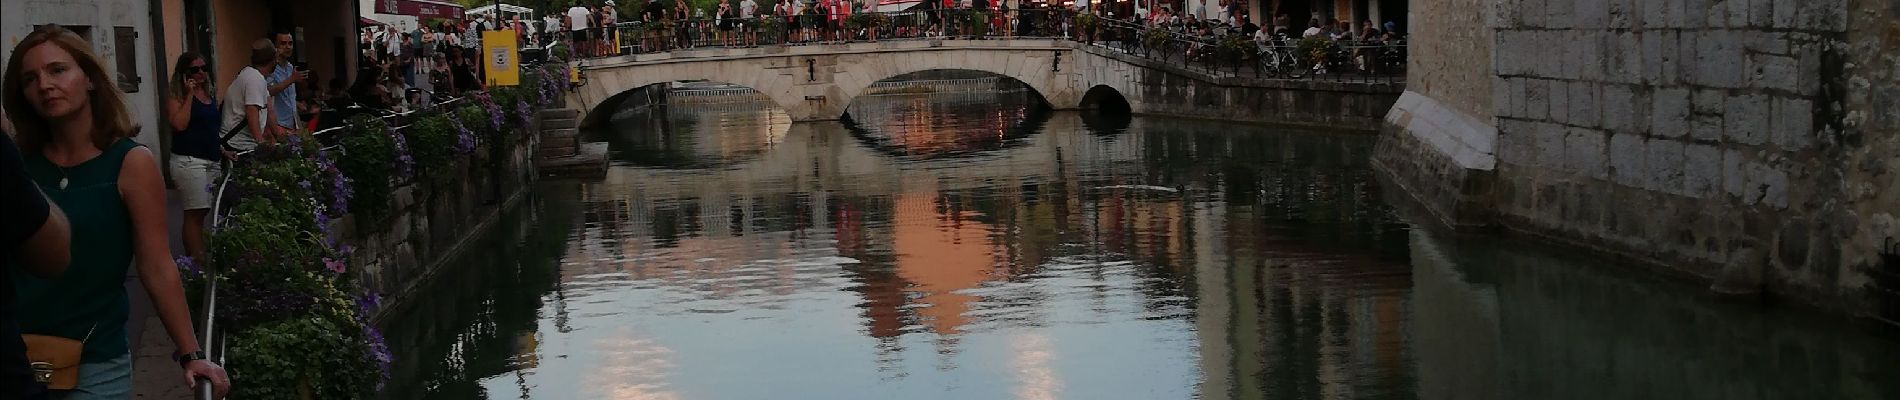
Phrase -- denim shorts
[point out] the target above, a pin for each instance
(104, 380)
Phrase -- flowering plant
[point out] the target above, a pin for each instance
(369, 154)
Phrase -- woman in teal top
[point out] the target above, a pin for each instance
(75, 135)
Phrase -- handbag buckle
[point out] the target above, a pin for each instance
(42, 371)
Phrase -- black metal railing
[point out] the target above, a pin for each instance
(1228, 52)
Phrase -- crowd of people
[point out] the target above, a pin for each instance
(1373, 48)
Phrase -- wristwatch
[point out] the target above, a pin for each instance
(187, 358)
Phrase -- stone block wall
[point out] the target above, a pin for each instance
(1448, 39)
(1867, 144)
(1692, 134)
(1441, 139)
(430, 221)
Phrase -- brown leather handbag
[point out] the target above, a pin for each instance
(55, 360)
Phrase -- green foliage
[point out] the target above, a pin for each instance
(368, 157)
(1232, 47)
(324, 354)
(285, 293)
(864, 20)
(1315, 48)
(432, 141)
(473, 118)
(266, 237)
(1154, 37)
(1086, 21)
(976, 22)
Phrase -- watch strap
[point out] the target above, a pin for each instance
(189, 357)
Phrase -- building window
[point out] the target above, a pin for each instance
(126, 55)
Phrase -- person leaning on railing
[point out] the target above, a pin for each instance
(76, 138)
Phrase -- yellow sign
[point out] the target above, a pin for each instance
(498, 53)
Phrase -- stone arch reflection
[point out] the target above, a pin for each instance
(984, 122)
(663, 125)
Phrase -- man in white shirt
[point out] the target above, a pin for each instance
(247, 100)
(748, 9)
(578, 18)
(550, 25)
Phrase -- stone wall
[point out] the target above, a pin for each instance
(430, 221)
(1680, 132)
(1449, 38)
(1867, 145)
(1741, 142)
(1443, 142)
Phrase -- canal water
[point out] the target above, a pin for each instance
(976, 246)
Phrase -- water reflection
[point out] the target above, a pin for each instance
(918, 253)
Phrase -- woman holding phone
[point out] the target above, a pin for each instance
(196, 158)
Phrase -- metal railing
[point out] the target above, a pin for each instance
(1223, 51)
(643, 37)
(1235, 54)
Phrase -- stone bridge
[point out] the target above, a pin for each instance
(817, 83)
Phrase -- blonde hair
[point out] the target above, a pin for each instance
(110, 121)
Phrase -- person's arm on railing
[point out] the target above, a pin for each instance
(143, 190)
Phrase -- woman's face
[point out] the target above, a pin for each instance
(198, 70)
(53, 82)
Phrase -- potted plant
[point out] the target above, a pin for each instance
(1087, 24)
(1315, 50)
(1153, 38)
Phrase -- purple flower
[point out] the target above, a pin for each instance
(405, 165)
(185, 263)
(296, 145)
(464, 138)
(378, 351)
(495, 117)
(334, 265)
(526, 112)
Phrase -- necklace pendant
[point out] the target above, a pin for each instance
(62, 183)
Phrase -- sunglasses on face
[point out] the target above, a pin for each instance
(195, 69)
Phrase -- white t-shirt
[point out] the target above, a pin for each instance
(747, 7)
(579, 17)
(248, 89)
(1311, 32)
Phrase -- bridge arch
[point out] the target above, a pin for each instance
(1045, 72)
(816, 83)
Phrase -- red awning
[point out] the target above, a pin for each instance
(420, 8)
(362, 21)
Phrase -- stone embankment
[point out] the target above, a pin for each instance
(1733, 141)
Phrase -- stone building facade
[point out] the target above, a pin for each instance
(1736, 141)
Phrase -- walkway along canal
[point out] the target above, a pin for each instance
(979, 246)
